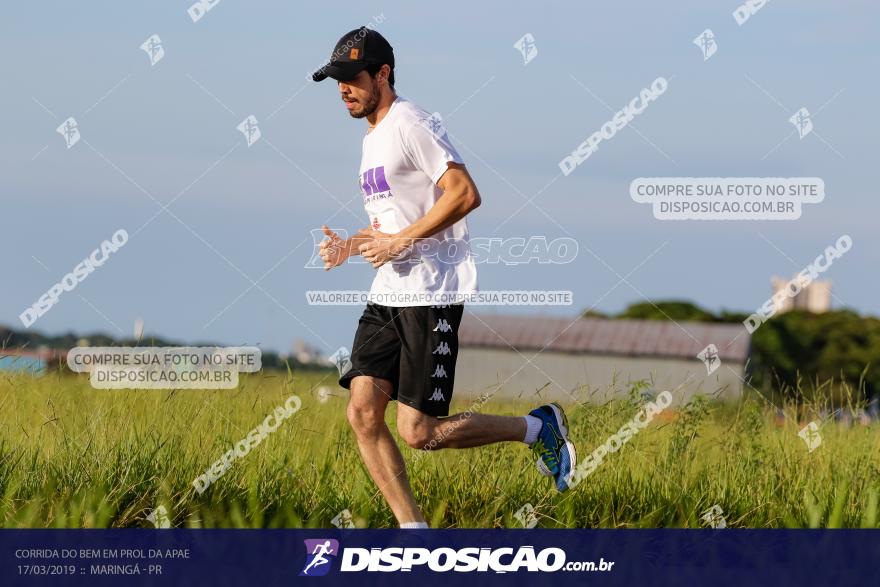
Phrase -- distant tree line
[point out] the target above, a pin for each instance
(795, 350)
(31, 340)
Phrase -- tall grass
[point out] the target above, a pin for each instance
(73, 456)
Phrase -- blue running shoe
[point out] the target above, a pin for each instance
(555, 451)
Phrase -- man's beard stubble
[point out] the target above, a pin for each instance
(370, 105)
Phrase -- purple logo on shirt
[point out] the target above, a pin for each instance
(373, 181)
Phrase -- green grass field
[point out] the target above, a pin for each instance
(73, 456)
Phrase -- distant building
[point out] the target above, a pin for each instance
(544, 358)
(30, 361)
(306, 354)
(814, 297)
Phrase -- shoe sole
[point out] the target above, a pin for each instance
(562, 422)
(572, 455)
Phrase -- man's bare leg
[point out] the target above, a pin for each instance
(464, 430)
(366, 414)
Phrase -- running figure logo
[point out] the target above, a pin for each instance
(802, 122)
(250, 129)
(706, 42)
(342, 359)
(153, 48)
(317, 553)
(526, 45)
(710, 358)
(69, 129)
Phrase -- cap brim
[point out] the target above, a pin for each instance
(340, 71)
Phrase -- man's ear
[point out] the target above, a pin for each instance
(386, 72)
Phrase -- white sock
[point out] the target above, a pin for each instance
(414, 525)
(533, 427)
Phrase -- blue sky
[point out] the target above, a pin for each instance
(169, 131)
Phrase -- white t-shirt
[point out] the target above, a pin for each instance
(404, 157)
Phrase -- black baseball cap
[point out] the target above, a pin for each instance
(355, 51)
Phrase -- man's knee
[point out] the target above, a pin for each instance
(366, 408)
(419, 433)
(365, 418)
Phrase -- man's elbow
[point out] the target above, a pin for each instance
(472, 199)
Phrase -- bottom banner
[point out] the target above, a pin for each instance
(438, 557)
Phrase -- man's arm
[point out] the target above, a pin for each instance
(460, 197)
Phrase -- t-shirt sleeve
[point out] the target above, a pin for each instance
(430, 151)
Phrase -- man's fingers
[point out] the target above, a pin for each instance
(329, 248)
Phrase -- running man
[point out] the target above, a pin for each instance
(417, 193)
(319, 552)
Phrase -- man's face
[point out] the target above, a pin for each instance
(361, 95)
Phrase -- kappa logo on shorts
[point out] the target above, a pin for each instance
(437, 396)
(442, 326)
(442, 349)
(439, 371)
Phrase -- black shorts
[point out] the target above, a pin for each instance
(414, 348)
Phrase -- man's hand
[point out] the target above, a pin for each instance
(382, 247)
(334, 250)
